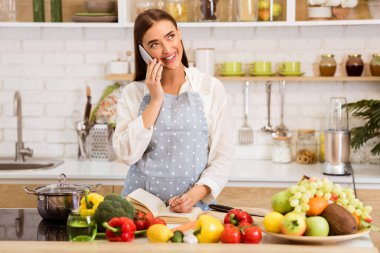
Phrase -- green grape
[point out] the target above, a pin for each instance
(360, 205)
(358, 212)
(293, 189)
(327, 188)
(327, 196)
(351, 197)
(367, 209)
(319, 193)
(354, 202)
(305, 198)
(298, 195)
(298, 209)
(319, 184)
(365, 215)
(350, 208)
(302, 188)
(294, 202)
(305, 207)
(344, 202)
(343, 195)
(313, 185)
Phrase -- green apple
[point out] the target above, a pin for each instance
(264, 4)
(317, 226)
(276, 9)
(293, 224)
(280, 202)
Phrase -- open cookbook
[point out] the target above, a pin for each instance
(146, 202)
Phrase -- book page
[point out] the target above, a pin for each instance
(172, 217)
(150, 201)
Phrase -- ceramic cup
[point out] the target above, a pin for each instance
(231, 67)
(261, 67)
(290, 67)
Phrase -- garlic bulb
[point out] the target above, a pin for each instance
(349, 3)
(333, 3)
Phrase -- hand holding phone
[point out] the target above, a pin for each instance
(144, 54)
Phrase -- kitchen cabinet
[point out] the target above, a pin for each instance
(294, 14)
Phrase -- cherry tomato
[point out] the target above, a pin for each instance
(251, 234)
(230, 234)
(156, 221)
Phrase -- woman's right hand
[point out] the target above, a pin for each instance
(153, 80)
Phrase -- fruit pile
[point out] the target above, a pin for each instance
(317, 207)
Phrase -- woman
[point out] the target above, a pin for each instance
(173, 125)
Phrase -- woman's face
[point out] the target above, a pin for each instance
(163, 42)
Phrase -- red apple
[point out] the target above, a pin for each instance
(293, 224)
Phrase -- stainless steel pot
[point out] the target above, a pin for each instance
(56, 201)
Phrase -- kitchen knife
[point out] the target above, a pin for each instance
(225, 209)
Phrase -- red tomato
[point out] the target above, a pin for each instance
(230, 234)
(156, 221)
(142, 220)
(251, 234)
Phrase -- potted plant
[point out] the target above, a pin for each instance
(369, 111)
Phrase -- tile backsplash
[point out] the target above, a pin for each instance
(52, 66)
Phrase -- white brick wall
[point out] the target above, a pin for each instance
(51, 68)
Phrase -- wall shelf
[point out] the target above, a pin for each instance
(129, 77)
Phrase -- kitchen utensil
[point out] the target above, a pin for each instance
(245, 131)
(81, 131)
(99, 143)
(282, 130)
(337, 139)
(99, 6)
(58, 200)
(268, 87)
(225, 209)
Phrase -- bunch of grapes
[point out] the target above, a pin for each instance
(316, 187)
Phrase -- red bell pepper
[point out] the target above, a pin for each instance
(230, 234)
(251, 234)
(120, 229)
(142, 220)
(236, 216)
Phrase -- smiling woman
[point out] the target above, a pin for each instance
(173, 123)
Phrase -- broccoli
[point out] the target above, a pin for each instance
(113, 206)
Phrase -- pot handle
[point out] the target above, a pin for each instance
(30, 191)
(95, 188)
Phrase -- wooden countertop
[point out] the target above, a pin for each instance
(103, 246)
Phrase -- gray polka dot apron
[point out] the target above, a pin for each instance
(178, 151)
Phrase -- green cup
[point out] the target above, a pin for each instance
(81, 228)
(261, 67)
(231, 67)
(290, 67)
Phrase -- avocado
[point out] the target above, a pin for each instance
(341, 221)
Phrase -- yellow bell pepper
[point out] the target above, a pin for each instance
(89, 203)
(208, 229)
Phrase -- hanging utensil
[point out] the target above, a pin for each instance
(281, 130)
(245, 131)
(268, 128)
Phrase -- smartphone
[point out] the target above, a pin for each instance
(144, 54)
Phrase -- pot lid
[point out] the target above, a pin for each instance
(62, 188)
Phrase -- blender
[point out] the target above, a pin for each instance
(337, 139)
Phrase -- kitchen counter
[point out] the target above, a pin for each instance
(103, 246)
(245, 173)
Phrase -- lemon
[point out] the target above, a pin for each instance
(159, 233)
(272, 222)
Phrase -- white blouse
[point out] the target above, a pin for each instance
(131, 138)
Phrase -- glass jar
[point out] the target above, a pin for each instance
(247, 10)
(226, 11)
(7, 10)
(178, 9)
(327, 65)
(266, 12)
(208, 9)
(374, 65)
(354, 65)
(306, 147)
(143, 5)
(281, 150)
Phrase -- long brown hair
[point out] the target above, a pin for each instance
(143, 23)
